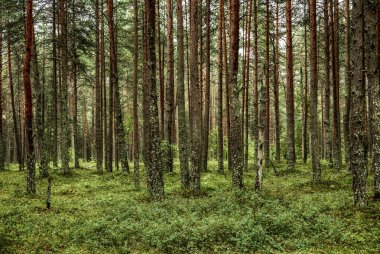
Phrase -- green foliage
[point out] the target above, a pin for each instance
(94, 213)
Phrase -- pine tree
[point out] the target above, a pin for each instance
(99, 97)
(314, 93)
(182, 118)
(291, 156)
(195, 123)
(327, 85)
(64, 114)
(235, 88)
(276, 87)
(155, 172)
(169, 87)
(31, 183)
(136, 139)
(357, 118)
(376, 117)
(336, 137)
(220, 88)
(2, 144)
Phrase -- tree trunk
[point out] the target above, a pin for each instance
(335, 73)
(30, 164)
(65, 131)
(74, 73)
(327, 85)
(247, 85)
(255, 86)
(136, 139)
(357, 118)
(371, 67)
(112, 76)
(228, 110)
(147, 149)
(206, 121)
(346, 116)
(260, 139)
(169, 87)
(98, 88)
(291, 156)
(376, 117)
(121, 145)
(220, 88)
(314, 93)
(103, 82)
(235, 135)
(85, 146)
(277, 88)
(161, 73)
(267, 80)
(155, 172)
(55, 89)
(304, 92)
(2, 147)
(196, 139)
(182, 119)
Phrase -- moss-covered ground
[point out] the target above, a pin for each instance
(94, 213)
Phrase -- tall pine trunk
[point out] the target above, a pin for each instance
(255, 86)
(103, 81)
(277, 88)
(337, 160)
(346, 126)
(65, 131)
(326, 114)
(169, 88)
(98, 94)
(155, 172)
(2, 144)
(291, 156)
(31, 184)
(206, 121)
(376, 117)
(235, 135)
(196, 139)
(227, 93)
(267, 80)
(74, 73)
(161, 72)
(136, 138)
(371, 68)
(183, 140)
(304, 92)
(111, 93)
(357, 117)
(247, 84)
(220, 88)
(55, 88)
(314, 93)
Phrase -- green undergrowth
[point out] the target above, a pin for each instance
(94, 213)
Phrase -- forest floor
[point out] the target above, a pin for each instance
(94, 213)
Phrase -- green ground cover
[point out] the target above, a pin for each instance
(94, 213)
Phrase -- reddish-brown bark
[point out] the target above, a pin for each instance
(31, 185)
